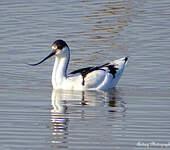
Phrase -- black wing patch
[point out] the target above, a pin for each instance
(87, 70)
(113, 70)
(83, 71)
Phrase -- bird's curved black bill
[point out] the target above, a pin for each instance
(51, 54)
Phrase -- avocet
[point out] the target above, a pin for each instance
(101, 77)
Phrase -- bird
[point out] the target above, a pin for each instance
(101, 77)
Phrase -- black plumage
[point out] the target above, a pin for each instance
(59, 44)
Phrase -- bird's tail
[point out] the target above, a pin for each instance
(119, 62)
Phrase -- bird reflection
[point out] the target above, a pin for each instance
(68, 105)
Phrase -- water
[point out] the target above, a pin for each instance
(135, 115)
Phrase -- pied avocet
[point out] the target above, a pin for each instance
(101, 77)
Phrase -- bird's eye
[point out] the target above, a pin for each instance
(60, 47)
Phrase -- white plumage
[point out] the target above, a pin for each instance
(91, 78)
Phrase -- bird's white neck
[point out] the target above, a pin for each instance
(59, 73)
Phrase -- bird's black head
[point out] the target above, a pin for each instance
(59, 44)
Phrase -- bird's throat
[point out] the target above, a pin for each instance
(60, 70)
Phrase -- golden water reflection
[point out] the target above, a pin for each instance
(109, 18)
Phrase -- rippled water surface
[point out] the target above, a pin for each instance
(135, 115)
